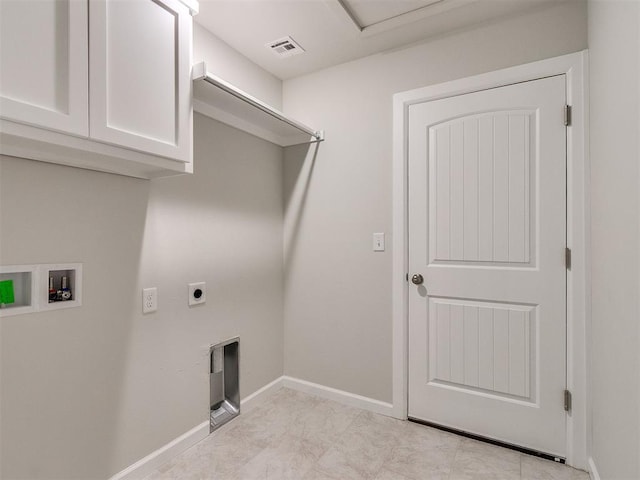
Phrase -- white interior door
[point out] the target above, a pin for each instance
(487, 231)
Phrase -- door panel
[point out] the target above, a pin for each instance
(487, 230)
(43, 64)
(140, 75)
(480, 180)
(124, 62)
(482, 346)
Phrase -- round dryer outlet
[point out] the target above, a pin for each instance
(197, 293)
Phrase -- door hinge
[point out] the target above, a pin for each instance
(567, 401)
(567, 258)
(567, 115)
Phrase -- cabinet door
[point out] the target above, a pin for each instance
(140, 95)
(43, 64)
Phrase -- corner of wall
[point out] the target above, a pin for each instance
(593, 471)
(229, 64)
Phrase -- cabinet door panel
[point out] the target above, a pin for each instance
(140, 75)
(43, 64)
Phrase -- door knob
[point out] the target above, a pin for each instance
(417, 279)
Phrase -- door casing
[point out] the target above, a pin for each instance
(574, 67)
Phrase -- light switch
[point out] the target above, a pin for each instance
(378, 242)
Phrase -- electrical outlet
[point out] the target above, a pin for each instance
(149, 300)
(197, 293)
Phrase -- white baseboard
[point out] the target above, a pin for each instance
(593, 471)
(154, 460)
(346, 398)
(260, 396)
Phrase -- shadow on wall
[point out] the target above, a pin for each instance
(62, 370)
(300, 160)
(222, 226)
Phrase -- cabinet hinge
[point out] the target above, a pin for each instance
(567, 401)
(567, 258)
(567, 115)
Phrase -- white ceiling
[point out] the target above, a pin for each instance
(337, 31)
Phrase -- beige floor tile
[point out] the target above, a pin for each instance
(478, 460)
(361, 450)
(386, 474)
(539, 469)
(291, 458)
(427, 437)
(377, 430)
(415, 462)
(315, 473)
(208, 461)
(325, 421)
(421, 450)
(354, 465)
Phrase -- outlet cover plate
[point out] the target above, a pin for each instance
(194, 299)
(149, 300)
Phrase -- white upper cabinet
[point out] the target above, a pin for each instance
(140, 75)
(43, 59)
(98, 84)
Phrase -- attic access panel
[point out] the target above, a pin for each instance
(222, 101)
(368, 13)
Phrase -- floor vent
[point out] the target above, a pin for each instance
(285, 47)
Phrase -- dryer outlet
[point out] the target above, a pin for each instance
(197, 293)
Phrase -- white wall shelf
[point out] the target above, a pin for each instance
(222, 101)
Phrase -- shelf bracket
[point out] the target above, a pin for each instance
(199, 74)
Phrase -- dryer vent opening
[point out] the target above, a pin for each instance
(224, 382)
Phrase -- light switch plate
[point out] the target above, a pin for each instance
(378, 242)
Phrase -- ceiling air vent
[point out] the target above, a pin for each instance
(285, 47)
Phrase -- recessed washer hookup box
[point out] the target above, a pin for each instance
(224, 382)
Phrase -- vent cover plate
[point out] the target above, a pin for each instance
(285, 47)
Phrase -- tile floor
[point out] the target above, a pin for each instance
(303, 437)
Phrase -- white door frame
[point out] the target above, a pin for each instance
(578, 281)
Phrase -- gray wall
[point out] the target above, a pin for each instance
(226, 63)
(337, 291)
(88, 391)
(614, 52)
